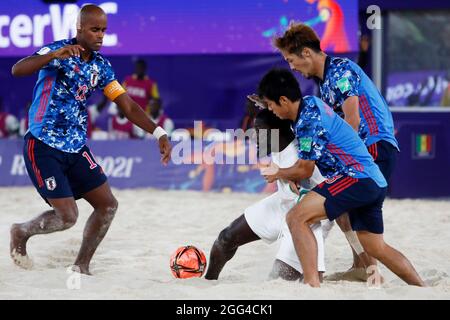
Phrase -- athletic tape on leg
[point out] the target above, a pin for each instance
(352, 238)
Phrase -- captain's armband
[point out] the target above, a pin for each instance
(113, 90)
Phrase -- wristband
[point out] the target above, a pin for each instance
(159, 132)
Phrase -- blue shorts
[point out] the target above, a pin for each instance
(58, 174)
(385, 156)
(361, 198)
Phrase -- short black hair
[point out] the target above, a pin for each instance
(269, 119)
(141, 62)
(277, 83)
(157, 101)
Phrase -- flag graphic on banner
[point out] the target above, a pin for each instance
(424, 145)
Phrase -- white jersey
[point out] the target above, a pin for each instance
(286, 159)
(267, 218)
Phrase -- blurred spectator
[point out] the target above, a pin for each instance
(140, 87)
(363, 57)
(23, 125)
(159, 117)
(121, 128)
(445, 102)
(9, 125)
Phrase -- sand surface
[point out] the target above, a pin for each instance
(133, 260)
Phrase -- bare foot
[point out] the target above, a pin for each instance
(353, 274)
(83, 269)
(18, 247)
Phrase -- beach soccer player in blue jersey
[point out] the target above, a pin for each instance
(266, 219)
(355, 183)
(349, 91)
(59, 163)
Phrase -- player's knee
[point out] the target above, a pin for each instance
(290, 219)
(226, 239)
(113, 205)
(69, 215)
(108, 208)
(374, 249)
(295, 216)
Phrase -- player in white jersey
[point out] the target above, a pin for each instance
(266, 219)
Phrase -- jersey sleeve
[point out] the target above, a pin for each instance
(55, 63)
(108, 82)
(345, 82)
(107, 75)
(311, 135)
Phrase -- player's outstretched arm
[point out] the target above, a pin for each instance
(29, 65)
(302, 169)
(135, 114)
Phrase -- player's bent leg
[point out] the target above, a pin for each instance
(105, 206)
(394, 260)
(284, 271)
(308, 211)
(361, 260)
(235, 235)
(63, 216)
(344, 224)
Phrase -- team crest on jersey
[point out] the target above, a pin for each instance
(50, 183)
(94, 75)
(94, 79)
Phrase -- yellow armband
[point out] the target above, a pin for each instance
(113, 90)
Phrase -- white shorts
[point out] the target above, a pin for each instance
(267, 219)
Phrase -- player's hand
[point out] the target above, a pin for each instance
(294, 187)
(260, 103)
(165, 148)
(269, 172)
(68, 51)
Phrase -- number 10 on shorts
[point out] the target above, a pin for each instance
(93, 165)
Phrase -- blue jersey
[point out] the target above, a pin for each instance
(58, 114)
(332, 143)
(342, 79)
